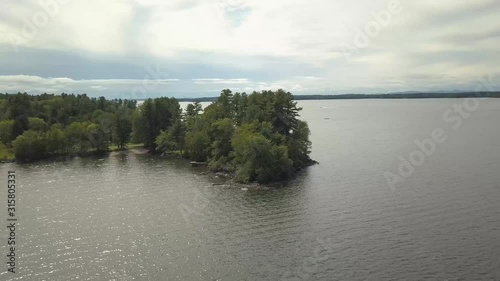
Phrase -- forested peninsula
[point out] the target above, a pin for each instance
(256, 137)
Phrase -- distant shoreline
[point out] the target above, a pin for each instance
(412, 95)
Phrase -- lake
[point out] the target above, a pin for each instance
(377, 207)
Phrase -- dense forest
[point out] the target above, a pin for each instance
(255, 137)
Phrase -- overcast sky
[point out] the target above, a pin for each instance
(194, 48)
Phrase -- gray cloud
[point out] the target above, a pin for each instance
(202, 46)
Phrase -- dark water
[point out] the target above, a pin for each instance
(137, 217)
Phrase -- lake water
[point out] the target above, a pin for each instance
(138, 217)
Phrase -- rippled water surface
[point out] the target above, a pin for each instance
(137, 217)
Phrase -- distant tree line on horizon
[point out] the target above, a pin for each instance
(256, 137)
(410, 95)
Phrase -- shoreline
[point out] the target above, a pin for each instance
(217, 178)
(134, 148)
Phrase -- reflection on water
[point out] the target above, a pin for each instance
(137, 217)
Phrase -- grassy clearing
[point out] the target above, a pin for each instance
(6, 153)
(127, 147)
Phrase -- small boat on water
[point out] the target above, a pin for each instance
(196, 164)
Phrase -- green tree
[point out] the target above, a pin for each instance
(37, 124)
(198, 145)
(178, 133)
(19, 110)
(137, 135)
(106, 122)
(31, 145)
(284, 113)
(98, 138)
(193, 109)
(6, 131)
(123, 127)
(225, 103)
(299, 146)
(240, 107)
(56, 140)
(258, 159)
(158, 115)
(221, 133)
(77, 137)
(165, 142)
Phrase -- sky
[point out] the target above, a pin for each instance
(195, 48)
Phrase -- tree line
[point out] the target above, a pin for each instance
(406, 95)
(41, 126)
(256, 137)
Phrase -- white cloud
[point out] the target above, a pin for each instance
(57, 85)
(308, 78)
(93, 25)
(221, 81)
(100, 88)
